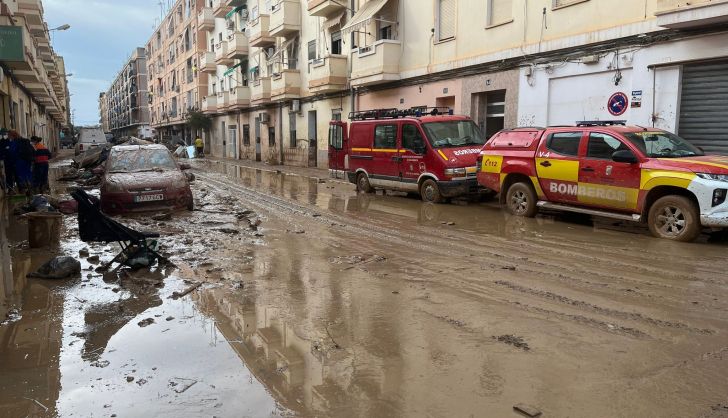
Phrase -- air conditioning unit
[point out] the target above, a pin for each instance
(264, 119)
(296, 106)
(244, 14)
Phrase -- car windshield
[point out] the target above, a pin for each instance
(133, 161)
(453, 134)
(663, 145)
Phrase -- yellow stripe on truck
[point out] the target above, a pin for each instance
(604, 195)
(700, 162)
(442, 154)
(654, 178)
(563, 170)
(537, 186)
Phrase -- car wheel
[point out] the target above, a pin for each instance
(521, 200)
(430, 192)
(675, 218)
(362, 183)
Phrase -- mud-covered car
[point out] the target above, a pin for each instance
(140, 178)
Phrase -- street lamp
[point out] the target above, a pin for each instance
(62, 27)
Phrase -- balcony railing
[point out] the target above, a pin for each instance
(207, 62)
(688, 14)
(260, 91)
(328, 74)
(206, 19)
(285, 85)
(237, 45)
(221, 56)
(325, 8)
(223, 100)
(239, 98)
(259, 32)
(377, 63)
(209, 104)
(220, 8)
(285, 19)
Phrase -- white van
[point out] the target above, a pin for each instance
(90, 138)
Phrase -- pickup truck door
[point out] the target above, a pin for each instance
(557, 166)
(607, 183)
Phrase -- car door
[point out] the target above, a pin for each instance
(412, 155)
(607, 183)
(557, 165)
(385, 155)
(338, 144)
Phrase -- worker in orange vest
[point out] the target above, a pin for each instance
(40, 165)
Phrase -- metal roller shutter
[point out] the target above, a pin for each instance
(704, 106)
(448, 19)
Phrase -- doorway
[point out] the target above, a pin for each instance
(491, 108)
(257, 139)
(224, 142)
(312, 139)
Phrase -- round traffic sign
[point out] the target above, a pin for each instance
(618, 104)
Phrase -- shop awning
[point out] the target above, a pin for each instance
(364, 16)
(336, 21)
(233, 11)
(231, 69)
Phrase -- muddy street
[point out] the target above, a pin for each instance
(288, 294)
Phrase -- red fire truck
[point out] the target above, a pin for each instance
(428, 151)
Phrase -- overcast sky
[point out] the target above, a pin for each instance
(102, 36)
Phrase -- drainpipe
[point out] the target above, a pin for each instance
(280, 132)
(351, 61)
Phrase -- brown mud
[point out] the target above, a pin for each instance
(315, 301)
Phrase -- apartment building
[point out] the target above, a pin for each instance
(173, 60)
(104, 113)
(34, 96)
(126, 103)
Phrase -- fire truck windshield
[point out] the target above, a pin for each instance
(450, 134)
(663, 145)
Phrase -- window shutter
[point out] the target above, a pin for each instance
(500, 11)
(447, 19)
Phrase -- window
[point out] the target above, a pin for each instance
(254, 13)
(246, 135)
(385, 136)
(336, 136)
(336, 43)
(271, 136)
(565, 143)
(446, 19)
(412, 139)
(292, 128)
(312, 50)
(384, 32)
(602, 146)
(499, 11)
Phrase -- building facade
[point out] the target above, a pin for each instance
(34, 96)
(104, 113)
(126, 103)
(174, 80)
(272, 73)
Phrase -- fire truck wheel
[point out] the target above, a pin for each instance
(429, 192)
(675, 218)
(521, 200)
(362, 183)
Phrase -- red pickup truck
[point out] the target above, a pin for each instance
(607, 169)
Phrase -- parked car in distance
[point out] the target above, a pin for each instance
(421, 150)
(89, 138)
(607, 169)
(140, 178)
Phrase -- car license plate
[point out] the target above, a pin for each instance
(148, 198)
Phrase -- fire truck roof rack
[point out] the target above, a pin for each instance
(601, 122)
(400, 113)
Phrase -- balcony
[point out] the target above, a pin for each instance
(206, 19)
(220, 8)
(324, 8)
(328, 74)
(234, 3)
(285, 85)
(239, 98)
(207, 62)
(285, 19)
(32, 10)
(377, 63)
(260, 91)
(237, 46)
(223, 101)
(209, 104)
(259, 33)
(690, 14)
(221, 57)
